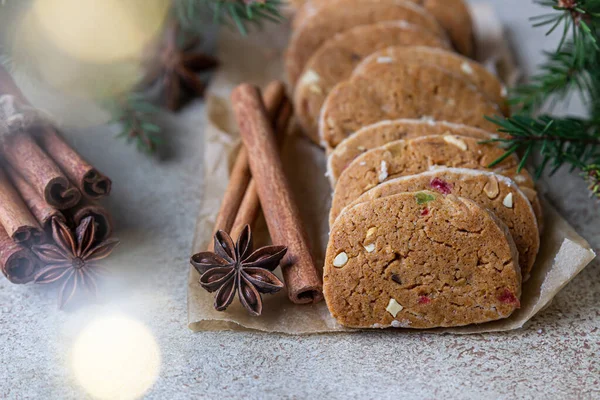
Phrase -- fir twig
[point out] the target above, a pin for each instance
(573, 67)
(132, 111)
(559, 141)
(238, 13)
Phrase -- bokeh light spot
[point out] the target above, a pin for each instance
(115, 358)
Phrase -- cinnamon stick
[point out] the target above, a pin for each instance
(250, 207)
(18, 264)
(301, 276)
(29, 160)
(26, 157)
(42, 211)
(102, 218)
(88, 179)
(15, 217)
(240, 174)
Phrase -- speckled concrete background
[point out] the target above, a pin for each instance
(155, 206)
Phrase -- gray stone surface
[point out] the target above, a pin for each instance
(155, 205)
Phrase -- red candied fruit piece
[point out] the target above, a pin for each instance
(424, 300)
(441, 186)
(508, 297)
(425, 212)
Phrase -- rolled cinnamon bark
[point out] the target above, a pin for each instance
(88, 179)
(301, 276)
(250, 207)
(42, 211)
(18, 264)
(26, 157)
(29, 160)
(240, 174)
(15, 217)
(102, 218)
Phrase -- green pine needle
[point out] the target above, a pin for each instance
(573, 68)
(133, 112)
(559, 141)
(237, 13)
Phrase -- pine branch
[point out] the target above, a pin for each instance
(573, 68)
(238, 13)
(132, 111)
(568, 68)
(559, 141)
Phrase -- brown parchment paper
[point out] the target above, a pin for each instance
(258, 59)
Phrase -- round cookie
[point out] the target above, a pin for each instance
(453, 16)
(488, 190)
(409, 90)
(330, 19)
(335, 60)
(470, 70)
(383, 132)
(413, 156)
(420, 260)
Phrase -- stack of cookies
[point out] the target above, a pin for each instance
(423, 233)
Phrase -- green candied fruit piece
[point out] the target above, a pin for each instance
(424, 198)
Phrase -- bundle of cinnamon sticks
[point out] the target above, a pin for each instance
(258, 181)
(41, 178)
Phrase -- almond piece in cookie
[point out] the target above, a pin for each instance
(438, 261)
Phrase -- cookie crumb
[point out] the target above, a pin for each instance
(508, 201)
(394, 308)
(370, 248)
(340, 260)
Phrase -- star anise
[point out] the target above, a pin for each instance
(235, 268)
(70, 258)
(176, 67)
